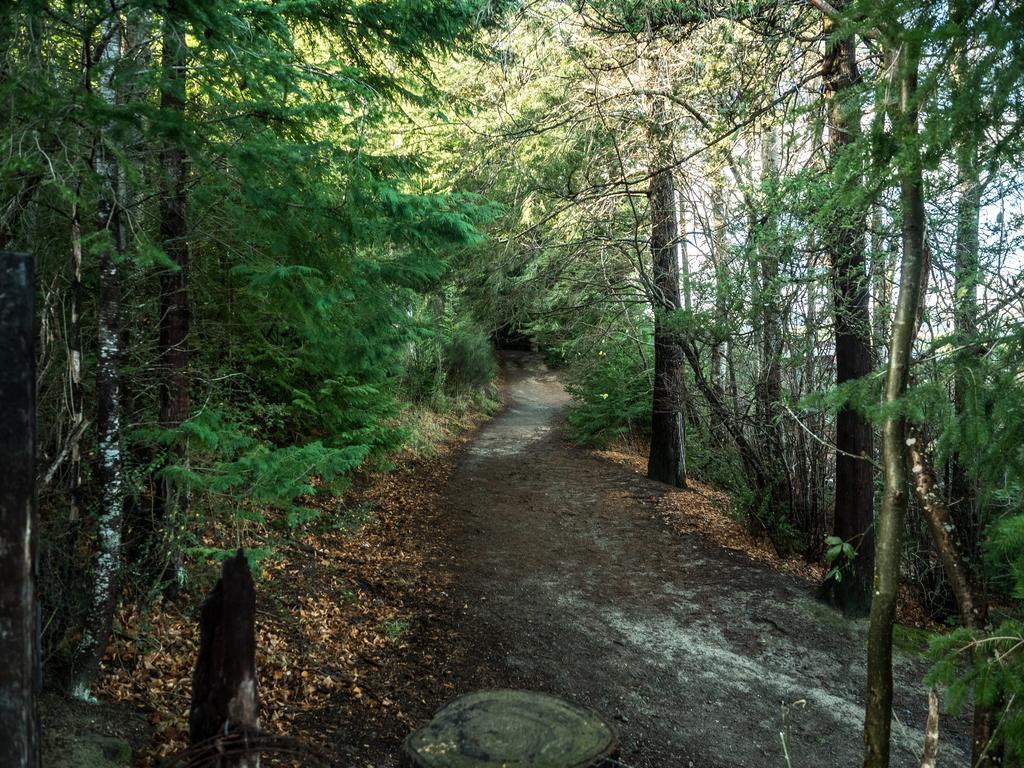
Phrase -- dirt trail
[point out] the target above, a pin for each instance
(571, 584)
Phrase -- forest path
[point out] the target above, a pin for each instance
(570, 583)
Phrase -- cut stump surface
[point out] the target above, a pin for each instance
(509, 728)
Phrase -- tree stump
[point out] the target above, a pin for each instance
(224, 698)
(503, 728)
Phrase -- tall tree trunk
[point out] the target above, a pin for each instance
(174, 304)
(963, 487)
(878, 710)
(667, 458)
(19, 618)
(844, 243)
(770, 257)
(771, 312)
(718, 256)
(107, 564)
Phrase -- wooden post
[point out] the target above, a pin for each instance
(19, 625)
(224, 697)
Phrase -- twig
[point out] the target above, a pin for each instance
(72, 439)
(827, 444)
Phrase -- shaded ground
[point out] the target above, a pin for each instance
(569, 582)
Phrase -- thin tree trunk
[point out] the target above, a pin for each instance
(815, 465)
(844, 243)
(718, 255)
(107, 564)
(76, 403)
(930, 753)
(667, 459)
(881, 245)
(878, 710)
(769, 396)
(771, 314)
(971, 603)
(172, 506)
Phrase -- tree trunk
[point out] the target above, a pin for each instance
(76, 398)
(667, 458)
(881, 246)
(718, 256)
(963, 494)
(970, 601)
(878, 710)
(107, 563)
(769, 395)
(844, 243)
(172, 501)
(19, 619)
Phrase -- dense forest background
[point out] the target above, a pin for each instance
(776, 245)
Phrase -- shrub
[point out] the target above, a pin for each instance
(612, 392)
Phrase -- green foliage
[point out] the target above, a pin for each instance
(987, 668)
(468, 360)
(612, 392)
(313, 235)
(838, 555)
(449, 358)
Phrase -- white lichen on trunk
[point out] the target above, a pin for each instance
(108, 543)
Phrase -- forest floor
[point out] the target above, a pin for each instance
(513, 558)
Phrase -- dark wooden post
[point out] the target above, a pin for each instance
(224, 696)
(19, 626)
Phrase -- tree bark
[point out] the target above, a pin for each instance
(770, 391)
(963, 494)
(19, 619)
(667, 459)
(878, 710)
(971, 603)
(844, 243)
(172, 498)
(107, 563)
(930, 752)
(718, 256)
(76, 398)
